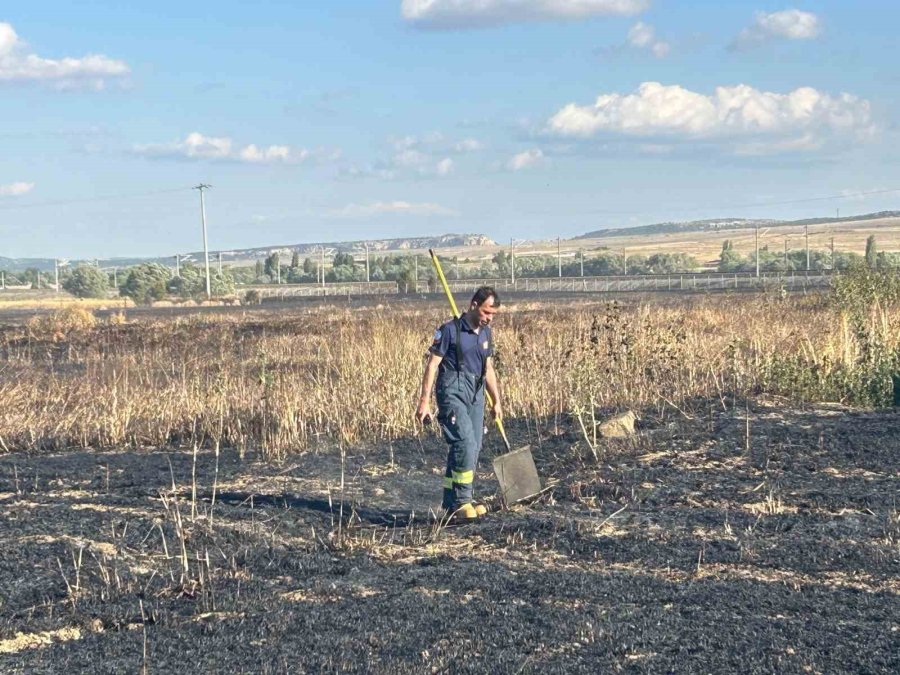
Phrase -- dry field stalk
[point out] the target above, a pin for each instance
(343, 377)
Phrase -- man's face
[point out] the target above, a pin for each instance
(485, 311)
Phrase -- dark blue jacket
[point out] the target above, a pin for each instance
(474, 348)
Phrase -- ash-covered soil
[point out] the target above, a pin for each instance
(762, 539)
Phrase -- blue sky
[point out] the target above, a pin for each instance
(515, 118)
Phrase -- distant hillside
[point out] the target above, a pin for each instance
(376, 246)
(719, 224)
(715, 225)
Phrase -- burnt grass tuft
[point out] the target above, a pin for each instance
(763, 538)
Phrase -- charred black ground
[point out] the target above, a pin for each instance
(722, 539)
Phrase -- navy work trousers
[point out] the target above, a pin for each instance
(460, 399)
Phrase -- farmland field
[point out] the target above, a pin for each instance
(248, 492)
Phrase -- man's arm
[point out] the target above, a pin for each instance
(493, 387)
(423, 409)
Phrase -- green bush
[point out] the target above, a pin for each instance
(87, 282)
(145, 283)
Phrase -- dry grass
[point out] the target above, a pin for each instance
(286, 384)
(848, 236)
(51, 300)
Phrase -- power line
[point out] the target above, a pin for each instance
(87, 200)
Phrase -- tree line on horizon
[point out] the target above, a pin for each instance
(148, 282)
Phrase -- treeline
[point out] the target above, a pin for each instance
(148, 282)
(406, 269)
(144, 283)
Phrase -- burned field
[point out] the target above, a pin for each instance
(762, 537)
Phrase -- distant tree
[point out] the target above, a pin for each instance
(271, 265)
(309, 267)
(145, 283)
(730, 260)
(243, 274)
(295, 260)
(871, 253)
(888, 260)
(259, 269)
(221, 284)
(192, 283)
(344, 259)
(87, 282)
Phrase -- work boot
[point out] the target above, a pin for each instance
(480, 509)
(462, 513)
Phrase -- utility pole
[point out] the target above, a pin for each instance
(757, 250)
(323, 266)
(512, 261)
(367, 262)
(581, 252)
(806, 230)
(278, 269)
(558, 258)
(416, 260)
(201, 188)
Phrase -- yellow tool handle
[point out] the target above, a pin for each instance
(456, 315)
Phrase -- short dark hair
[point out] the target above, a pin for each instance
(482, 293)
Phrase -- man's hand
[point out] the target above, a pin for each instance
(497, 411)
(423, 411)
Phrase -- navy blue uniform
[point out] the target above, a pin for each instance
(460, 399)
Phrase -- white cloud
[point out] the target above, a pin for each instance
(18, 188)
(525, 160)
(790, 24)
(450, 14)
(444, 167)
(803, 119)
(643, 36)
(197, 146)
(424, 156)
(391, 208)
(468, 145)
(18, 64)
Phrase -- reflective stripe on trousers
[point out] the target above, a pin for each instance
(460, 399)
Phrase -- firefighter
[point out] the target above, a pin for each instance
(460, 359)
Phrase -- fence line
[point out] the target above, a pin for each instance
(701, 281)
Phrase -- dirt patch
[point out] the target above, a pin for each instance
(718, 540)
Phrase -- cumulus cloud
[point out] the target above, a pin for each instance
(15, 189)
(424, 156)
(643, 36)
(196, 146)
(749, 120)
(17, 63)
(391, 208)
(444, 167)
(450, 14)
(467, 145)
(790, 24)
(525, 160)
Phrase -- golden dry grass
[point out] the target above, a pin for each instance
(706, 246)
(351, 377)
